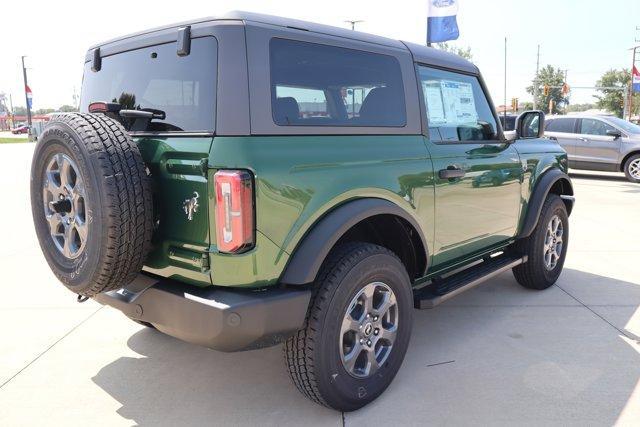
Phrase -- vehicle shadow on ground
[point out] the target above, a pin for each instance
(499, 353)
(618, 178)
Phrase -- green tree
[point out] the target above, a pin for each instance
(67, 108)
(574, 108)
(613, 100)
(549, 76)
(464, 52)
(20, 111)
(44, 111)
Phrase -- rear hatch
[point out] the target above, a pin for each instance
(175, 148)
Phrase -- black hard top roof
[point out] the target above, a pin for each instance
(420, 53)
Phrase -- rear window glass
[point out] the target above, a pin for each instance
(320, 85)
(561, 125)
(184, 87)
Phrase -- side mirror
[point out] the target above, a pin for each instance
(529, 124)
(615, 133)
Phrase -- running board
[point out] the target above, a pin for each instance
(442, 289)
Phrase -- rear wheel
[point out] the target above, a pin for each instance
(632, 168)
(357, 329)
(546, 247)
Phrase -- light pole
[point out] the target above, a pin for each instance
(535, 82)
(353, 23)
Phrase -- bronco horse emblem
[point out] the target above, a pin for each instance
(190, 205)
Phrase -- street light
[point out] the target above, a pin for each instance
(353, 23)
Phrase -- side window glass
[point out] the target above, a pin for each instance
(456, 106)
(561, 125)
(296, 104)
(320, 85)
(594, 127)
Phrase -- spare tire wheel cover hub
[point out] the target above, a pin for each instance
(64, 203)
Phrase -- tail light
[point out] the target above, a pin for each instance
(234, 210)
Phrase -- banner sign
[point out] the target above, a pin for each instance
(27, 89)
(441, 21)
(636, 79)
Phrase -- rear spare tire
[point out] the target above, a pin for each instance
(91, 202)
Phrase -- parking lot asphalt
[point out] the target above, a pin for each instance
(497, 355)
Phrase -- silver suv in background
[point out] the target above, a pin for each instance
(599, 143)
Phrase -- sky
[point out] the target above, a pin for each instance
(586, 37)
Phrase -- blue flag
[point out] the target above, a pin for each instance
(441, 21)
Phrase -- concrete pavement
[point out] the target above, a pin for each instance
(498, 354)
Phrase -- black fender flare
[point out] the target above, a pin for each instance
(539, 195)
(304, 264)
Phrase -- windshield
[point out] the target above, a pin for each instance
(183, 87)
(625, 125)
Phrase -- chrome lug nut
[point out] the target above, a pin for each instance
(375, 318)
(361, 341)
(369, 343)
(376, 331)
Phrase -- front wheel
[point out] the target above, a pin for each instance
(357, 329)
(546, 247)
(632, 168)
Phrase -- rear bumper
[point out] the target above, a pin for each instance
(212, 317)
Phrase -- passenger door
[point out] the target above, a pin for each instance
(477, 175)
(594, 147)
(563, 130)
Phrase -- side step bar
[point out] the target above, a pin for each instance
(444, 288)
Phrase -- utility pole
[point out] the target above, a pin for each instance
(26, 95)
(535, 81)
(353, 23)
(629, 103)
(11, 116)
(505, 81)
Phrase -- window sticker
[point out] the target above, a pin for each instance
(450, 103)
(460, 107)
(433, 95)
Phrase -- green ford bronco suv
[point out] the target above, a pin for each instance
(243, 181)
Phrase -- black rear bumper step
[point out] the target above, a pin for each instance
(214, 317)
(442, 289)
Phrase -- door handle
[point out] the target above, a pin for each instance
(451, 172)
(583, 139)
(553, 138)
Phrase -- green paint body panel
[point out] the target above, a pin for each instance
(179, 169)
(299, 179)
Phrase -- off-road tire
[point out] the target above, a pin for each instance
(533, 274)
(312, 354)
(118, 202)
(627, 165)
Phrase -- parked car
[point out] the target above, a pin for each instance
(599, 143)
(192, 195)
(508, 121)
(20, 129)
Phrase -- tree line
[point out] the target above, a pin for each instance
(22, 111)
